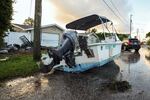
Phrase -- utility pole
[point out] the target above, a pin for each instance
(137, 35)
(130, 24)
(37, 30)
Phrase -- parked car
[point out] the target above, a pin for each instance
(131, 43)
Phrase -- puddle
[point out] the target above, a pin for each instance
(147, 56)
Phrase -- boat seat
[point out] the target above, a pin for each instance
(83, 46)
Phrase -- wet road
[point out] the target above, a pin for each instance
(130, 66)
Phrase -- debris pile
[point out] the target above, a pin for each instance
(117, 86)
(120, 86)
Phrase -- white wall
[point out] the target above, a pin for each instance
(47, 38)
(13, 37)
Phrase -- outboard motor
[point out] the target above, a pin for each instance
(64, 51)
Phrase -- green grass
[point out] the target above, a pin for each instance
(17, 66)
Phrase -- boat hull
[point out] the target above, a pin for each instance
(103, 53)
(83, 67)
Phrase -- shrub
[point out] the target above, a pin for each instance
(6, 11)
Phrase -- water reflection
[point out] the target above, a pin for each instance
(130, 57)
(147, 56)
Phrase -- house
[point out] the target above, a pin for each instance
(51, 34)
(48, 31)
(51, 28)
(20, 27)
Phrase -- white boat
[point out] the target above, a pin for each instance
(91, 51)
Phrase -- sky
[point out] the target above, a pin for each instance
(62, 12)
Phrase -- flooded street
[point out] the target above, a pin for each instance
(90, 85)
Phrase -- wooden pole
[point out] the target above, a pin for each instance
(37, 30)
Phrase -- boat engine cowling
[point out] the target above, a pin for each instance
(64, 51)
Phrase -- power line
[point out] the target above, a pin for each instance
(117, 10)
(113, 11)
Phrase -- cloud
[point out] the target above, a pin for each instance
(69, 10)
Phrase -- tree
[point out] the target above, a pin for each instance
(6, 11)
(29, 21)
(123, 36)
(148, 34)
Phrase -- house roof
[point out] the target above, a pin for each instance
(21, 26)
(45, 26)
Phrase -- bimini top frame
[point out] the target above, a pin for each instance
(87, 22)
